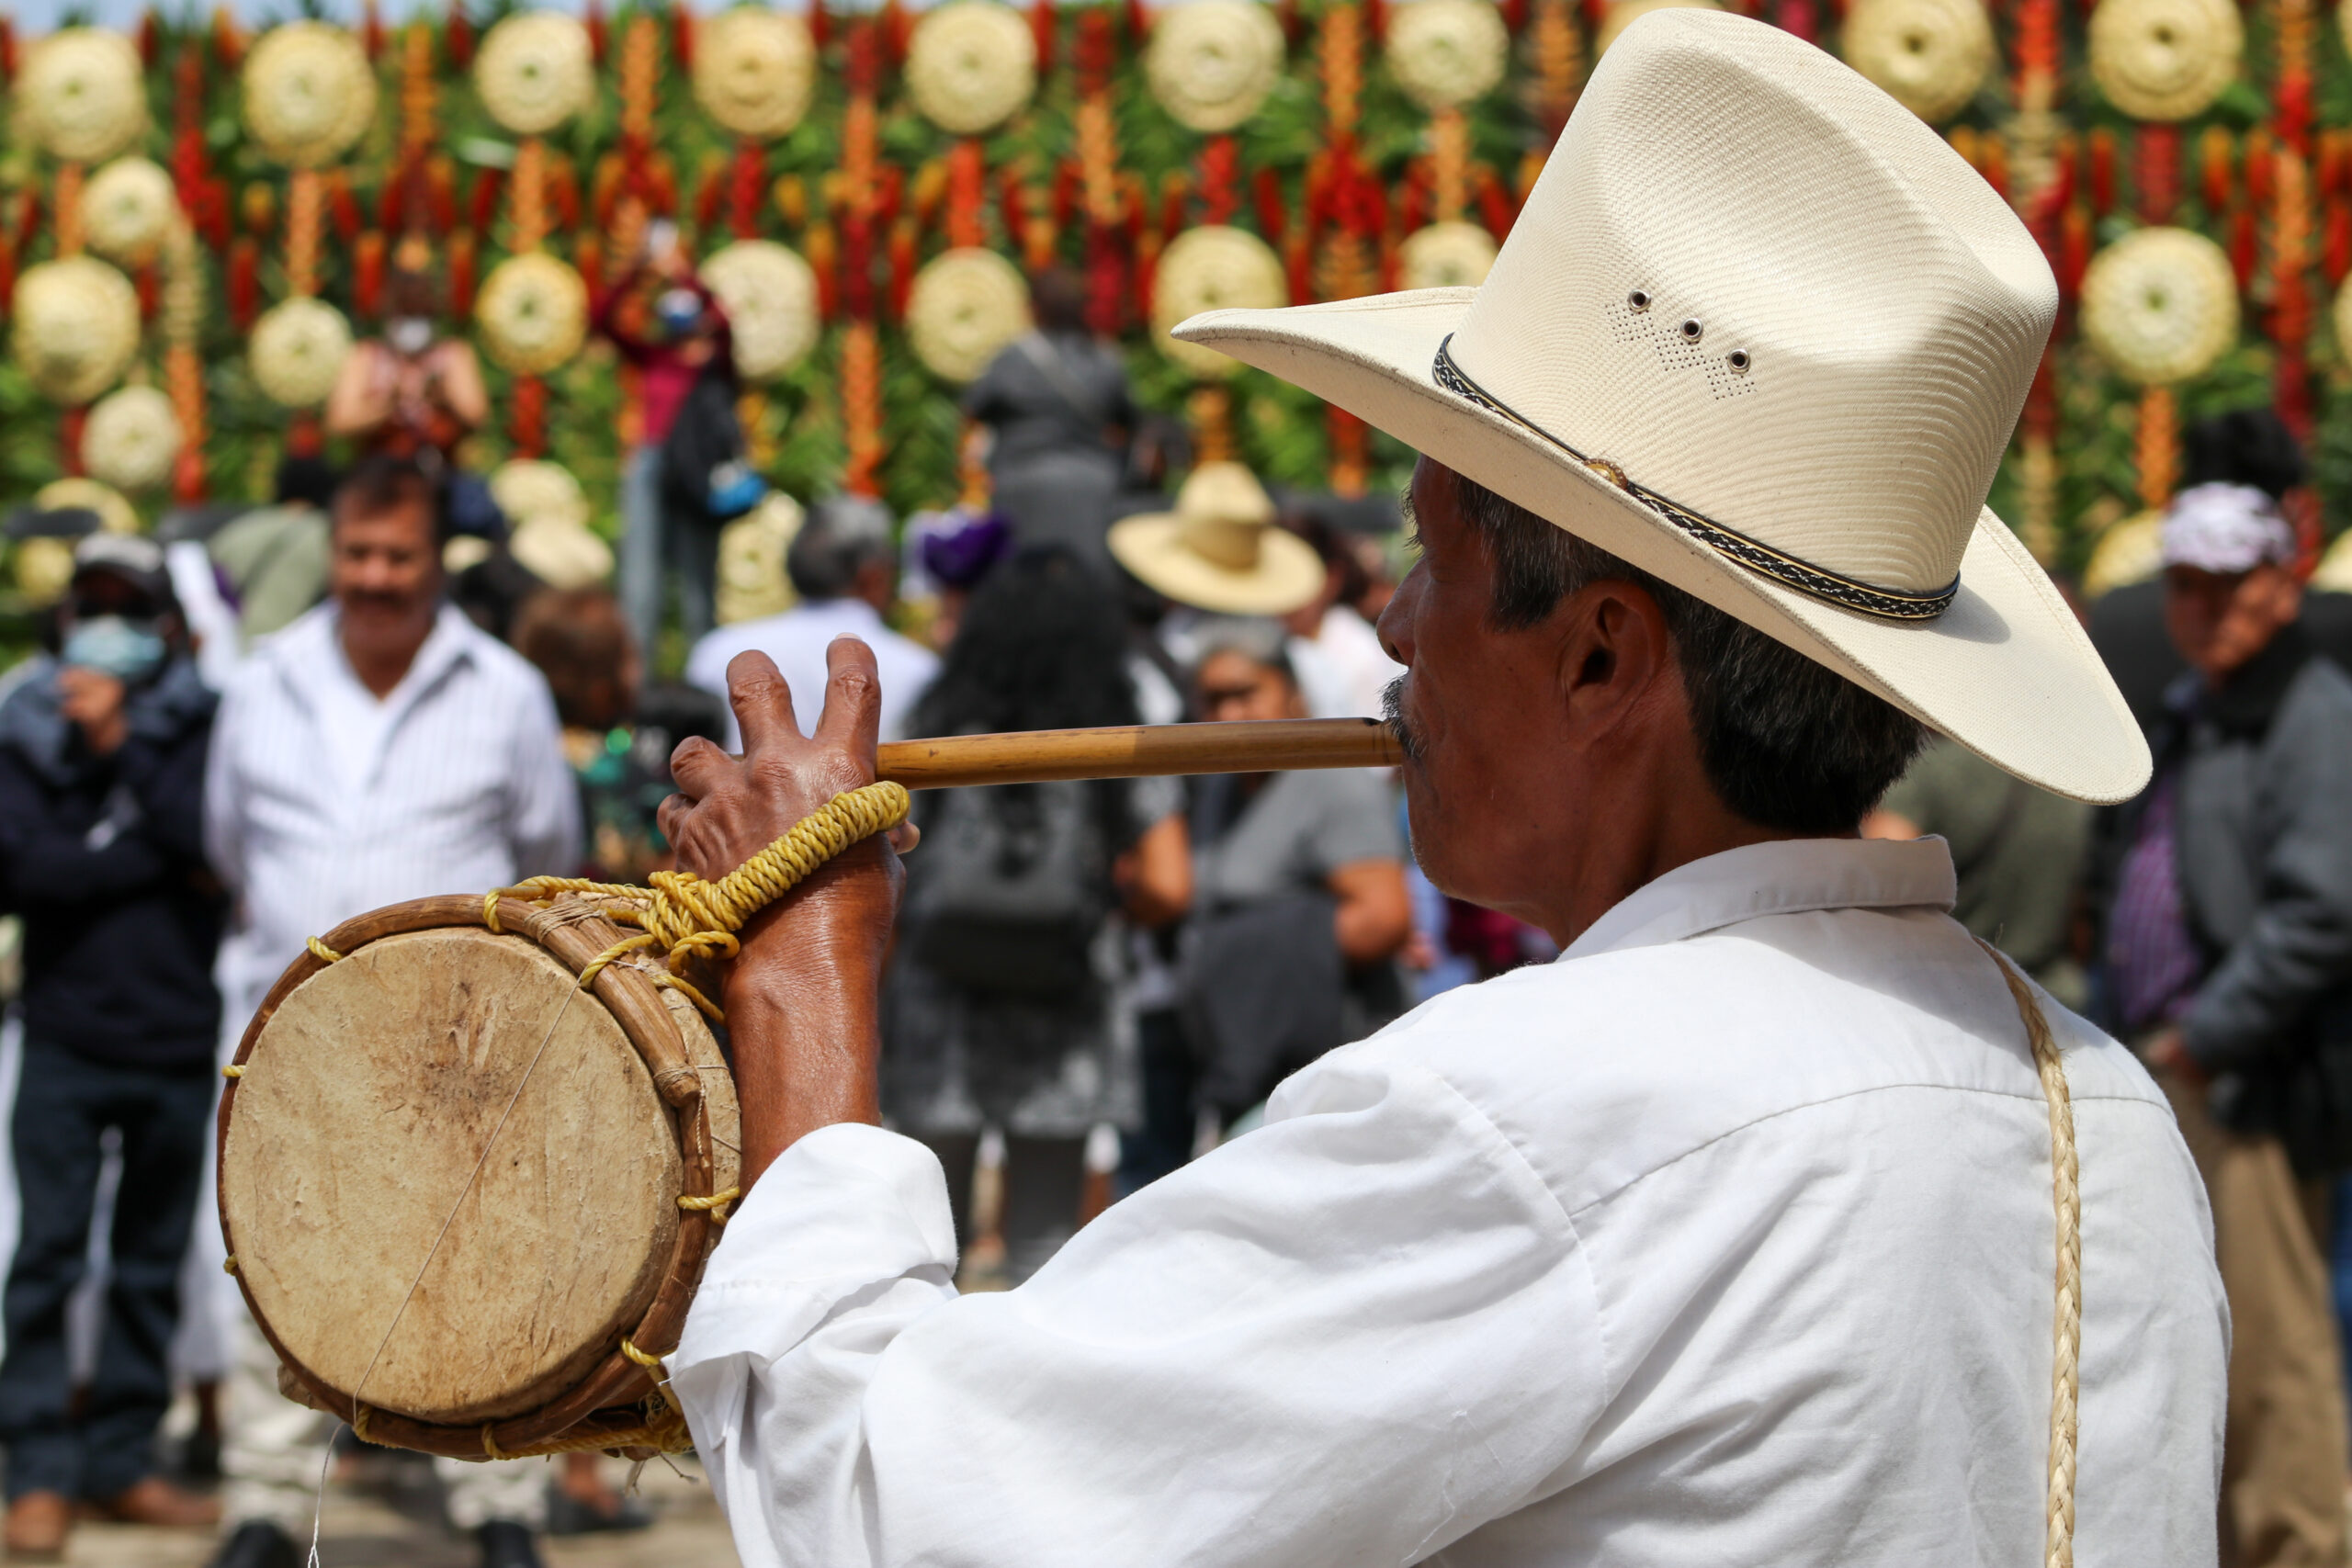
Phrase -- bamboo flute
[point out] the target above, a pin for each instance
(1139, 750)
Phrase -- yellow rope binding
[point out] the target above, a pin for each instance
(322, 952)
(685, 916)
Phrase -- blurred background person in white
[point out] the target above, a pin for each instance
(844, 566)
(379, 748)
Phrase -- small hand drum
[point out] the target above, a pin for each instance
(467, 1199)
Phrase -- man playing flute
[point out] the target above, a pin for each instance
(1731, 1238)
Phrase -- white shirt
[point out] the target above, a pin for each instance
(322, 802)
(1342, 670)
(796, 640)
(1725, 1239)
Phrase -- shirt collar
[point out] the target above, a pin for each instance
(313, 646)
(1788, 876)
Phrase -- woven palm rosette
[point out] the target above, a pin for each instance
(971, 65)
(126, 210)
(1212, 62)
(1624, 14)
(2165, 60)
(131, 439)
(533, 313)
(76, 328)
(965, 307)
(81, 95)
(770, 298)
(308, 93)
(1445, 256)
(1445, 54)
(1930, 56)
(1210, 269)
(534, 70)
(297, 349)
(753, 70)
(2161, 305)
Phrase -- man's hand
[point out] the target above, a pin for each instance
(803, 997)
(94, 700)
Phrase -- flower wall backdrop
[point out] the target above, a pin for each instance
(195, 221)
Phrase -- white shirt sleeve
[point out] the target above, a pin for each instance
(1349, 1337)
(224, 794)
(544, 829)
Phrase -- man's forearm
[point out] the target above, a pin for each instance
(803, 1013)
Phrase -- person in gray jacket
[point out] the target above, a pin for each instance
(2228, 964)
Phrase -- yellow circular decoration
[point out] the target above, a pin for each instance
(1930, 56)
(295, 350)
(971, 65)
(564, 556)
(1446, 52)
(965, 307)
(1625, 13)
(76, 328)
(534, 313)
(1212, 62)
(535, 71)
(2129, 549)
(2340, 317)
(44, 569)
(532, 491)
(751, 581)
(770, 298)
(310, 93)
(1445, 256)
(1210, 269)
(2164, 59)
(753, 70)
(81, 95)
(2161, 305)
(2334, 571)
(131, 439)
(127, 208)
(115, 515)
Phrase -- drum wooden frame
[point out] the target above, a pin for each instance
(479, 1313)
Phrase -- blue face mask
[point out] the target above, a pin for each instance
(128, 650)
(680, 310)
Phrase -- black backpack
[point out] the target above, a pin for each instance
(1010, 887)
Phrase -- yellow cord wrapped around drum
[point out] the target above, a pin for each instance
(686, 917)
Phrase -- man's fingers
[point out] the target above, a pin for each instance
(763, 701)
(905, 837)
(697, 765)
(852, 716)
(671, 818)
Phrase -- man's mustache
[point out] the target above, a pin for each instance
(1392, 708)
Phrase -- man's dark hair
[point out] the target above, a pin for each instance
(379, 484)
(309, 480)
(841, 535)
(1787, 743)
(1057, 299)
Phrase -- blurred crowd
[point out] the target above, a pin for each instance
(260, 723)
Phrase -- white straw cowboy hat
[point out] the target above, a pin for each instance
(1759, 332)
(1219, 550)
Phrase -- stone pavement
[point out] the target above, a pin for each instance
(383, 1512)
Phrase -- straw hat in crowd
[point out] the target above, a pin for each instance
(1220, 550)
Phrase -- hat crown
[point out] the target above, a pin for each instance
(1763, 290)
(1223, 513)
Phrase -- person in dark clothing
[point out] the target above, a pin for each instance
(102, 756)
(1059, 407)
(2227, 964)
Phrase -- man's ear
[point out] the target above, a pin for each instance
(1614, 645)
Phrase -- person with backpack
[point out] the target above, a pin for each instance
(685, 475)
(1001, 1005)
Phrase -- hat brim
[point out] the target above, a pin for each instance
(2006, 671)
(1288, 575)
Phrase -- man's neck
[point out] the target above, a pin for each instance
(383, 667)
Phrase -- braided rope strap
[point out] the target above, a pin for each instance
(686, 917)
(2067, 1328)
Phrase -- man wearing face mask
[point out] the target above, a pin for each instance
(2228, 964)
(102, 753)
(412, 391)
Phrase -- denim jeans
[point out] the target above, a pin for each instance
(660, 536)
(65, 1102)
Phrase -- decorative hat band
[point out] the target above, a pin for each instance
(1887, 603)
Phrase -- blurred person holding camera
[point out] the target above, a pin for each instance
(102, 756)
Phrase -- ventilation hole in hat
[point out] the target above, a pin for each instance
(1737, 360)
(1691, 329)
(1639, 299)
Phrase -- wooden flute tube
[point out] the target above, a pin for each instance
(1139, 750)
